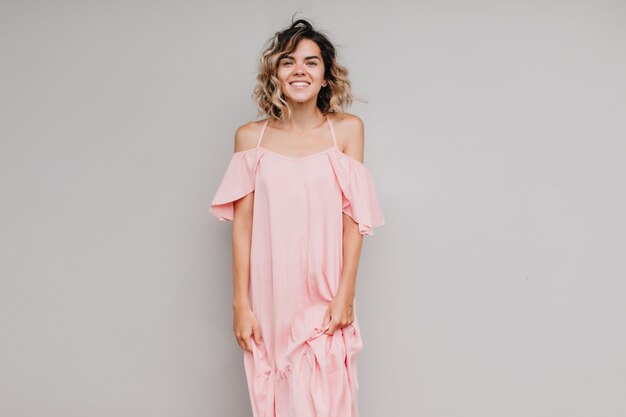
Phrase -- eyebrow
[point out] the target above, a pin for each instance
(306, 58)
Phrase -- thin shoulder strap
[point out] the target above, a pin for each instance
(262, 131)
(332, 131)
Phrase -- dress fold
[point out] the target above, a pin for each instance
(237, 182)
(360, 200)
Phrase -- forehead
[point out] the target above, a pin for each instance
(306, 47)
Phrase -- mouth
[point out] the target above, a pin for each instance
(299, 84)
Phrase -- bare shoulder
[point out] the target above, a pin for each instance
(347, 122)
(247, 135)
(350, 133)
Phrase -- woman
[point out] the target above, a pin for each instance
(300, 200)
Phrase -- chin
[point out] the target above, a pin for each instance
(304, 101)
(301, 99)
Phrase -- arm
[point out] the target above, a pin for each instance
(340, 312)
(244, 321)
(242, 234)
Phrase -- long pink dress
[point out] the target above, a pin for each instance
(295, 268)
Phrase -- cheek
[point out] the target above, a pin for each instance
(282, 76)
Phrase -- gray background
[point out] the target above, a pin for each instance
(495, 135)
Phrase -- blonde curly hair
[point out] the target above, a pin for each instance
(334, 97)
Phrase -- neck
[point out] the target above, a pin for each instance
(304, 116)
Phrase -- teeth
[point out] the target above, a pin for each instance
(299, 84)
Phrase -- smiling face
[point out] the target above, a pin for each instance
(301, 73)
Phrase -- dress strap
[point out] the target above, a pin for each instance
(332, 131)
(258, 144)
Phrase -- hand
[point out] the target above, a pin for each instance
(339, 314)
(245, 324)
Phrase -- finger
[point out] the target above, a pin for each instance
(243, 341)
(331, 329)
(257, 336)
(327, 318)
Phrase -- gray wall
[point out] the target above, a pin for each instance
(495, 133)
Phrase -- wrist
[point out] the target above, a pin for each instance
(239, 304)
(346, 295)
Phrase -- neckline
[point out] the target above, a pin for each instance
(327, 150)
(297, 158)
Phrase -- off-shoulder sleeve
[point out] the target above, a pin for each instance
(360, 200)
(237, 182)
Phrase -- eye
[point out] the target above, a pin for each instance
(312, 62)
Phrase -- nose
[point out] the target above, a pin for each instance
(299, 69)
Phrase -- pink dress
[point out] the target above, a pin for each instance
(295, 268)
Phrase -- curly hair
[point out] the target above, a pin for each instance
(268, 94)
